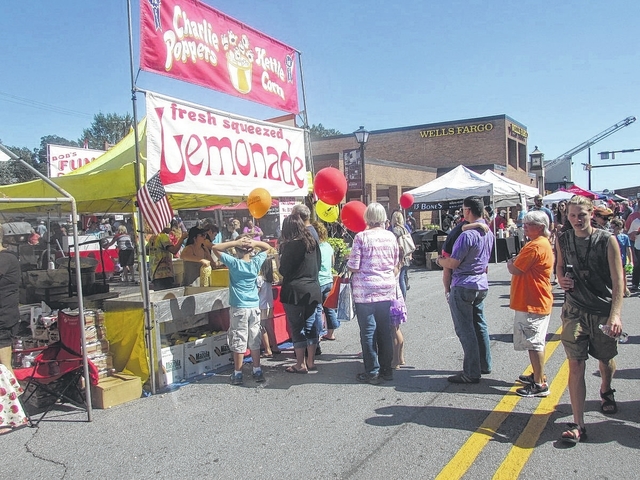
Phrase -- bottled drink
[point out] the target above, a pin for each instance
(569, 273)
(622, 338)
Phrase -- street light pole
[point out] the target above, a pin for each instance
(361, 137)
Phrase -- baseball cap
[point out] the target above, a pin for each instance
(603, 211)
(538, 197)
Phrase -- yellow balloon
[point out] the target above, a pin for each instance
(259, 202)
(328, 213)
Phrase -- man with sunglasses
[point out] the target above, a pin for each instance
(537, 205)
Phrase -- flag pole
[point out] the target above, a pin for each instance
(144, 274)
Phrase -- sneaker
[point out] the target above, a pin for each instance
(462, 378)
(387, 376)
(366, 378)
(258, 376)
(534, 390)
(528, 379)
(236, 378)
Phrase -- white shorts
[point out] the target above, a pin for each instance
(244, 329)
(530, 331)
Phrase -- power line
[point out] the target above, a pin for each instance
(42, 106)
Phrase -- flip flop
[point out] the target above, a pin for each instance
(293, 369)
(324, 337)
(312, 369)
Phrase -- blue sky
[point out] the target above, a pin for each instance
(566, 70)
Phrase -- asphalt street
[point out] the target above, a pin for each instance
(327, 425)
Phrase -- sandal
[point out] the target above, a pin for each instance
(570, 436)
(608, 405)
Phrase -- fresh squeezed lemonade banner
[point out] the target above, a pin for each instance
(191, 41)
(204, 151)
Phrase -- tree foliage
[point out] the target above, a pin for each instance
(106, 130)
(318, 131)
(14, 172)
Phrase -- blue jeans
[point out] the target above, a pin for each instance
(467, 310)
(330, 314)
(302, 324)
(375, 336)
(403, 277)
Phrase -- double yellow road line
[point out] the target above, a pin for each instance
(523, 446)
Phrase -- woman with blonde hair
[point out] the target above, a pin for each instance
(398, 229)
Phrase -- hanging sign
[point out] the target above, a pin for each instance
(198, 150)
(191, 41)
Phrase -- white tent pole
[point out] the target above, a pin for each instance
(144, 275)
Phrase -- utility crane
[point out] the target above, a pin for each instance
(583, 146)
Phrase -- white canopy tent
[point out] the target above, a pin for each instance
(454, 185)
(507, 192)
(557, 196)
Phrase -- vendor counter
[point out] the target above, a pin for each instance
(175, 313)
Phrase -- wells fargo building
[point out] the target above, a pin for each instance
(399, 159)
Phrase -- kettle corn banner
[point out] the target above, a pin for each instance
(199, 150)
(191, 41)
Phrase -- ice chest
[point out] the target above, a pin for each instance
(114, 390)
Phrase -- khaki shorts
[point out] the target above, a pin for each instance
(530, 331)
(244, 330)
(581, 335)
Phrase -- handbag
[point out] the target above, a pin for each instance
(346, 309)
(406, 243)
(332, 299)
(397, 310)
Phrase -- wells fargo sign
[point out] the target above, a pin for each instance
(457, 130)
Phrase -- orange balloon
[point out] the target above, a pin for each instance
(259, 202)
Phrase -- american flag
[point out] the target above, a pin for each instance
(154, 204)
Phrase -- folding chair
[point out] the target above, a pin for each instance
(58, 370)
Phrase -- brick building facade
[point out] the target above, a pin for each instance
(399, 159)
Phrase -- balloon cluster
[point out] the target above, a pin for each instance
(330, 186)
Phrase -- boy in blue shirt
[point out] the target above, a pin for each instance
(244, 330)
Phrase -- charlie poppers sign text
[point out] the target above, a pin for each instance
(204, 151)
(191, 41)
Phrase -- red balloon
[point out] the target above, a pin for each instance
(330, 185)
(406, 200)
(352, 216)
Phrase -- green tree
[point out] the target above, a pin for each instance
(41, 152)
(318, 131)
(106, 129)
(13, 172)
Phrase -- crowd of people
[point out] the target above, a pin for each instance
(587, 250)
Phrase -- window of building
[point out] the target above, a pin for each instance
(512, 153)
(522, 156)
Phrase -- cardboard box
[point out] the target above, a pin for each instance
(198, 357)
(172, 365)
(115, 390)
(221, 354)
